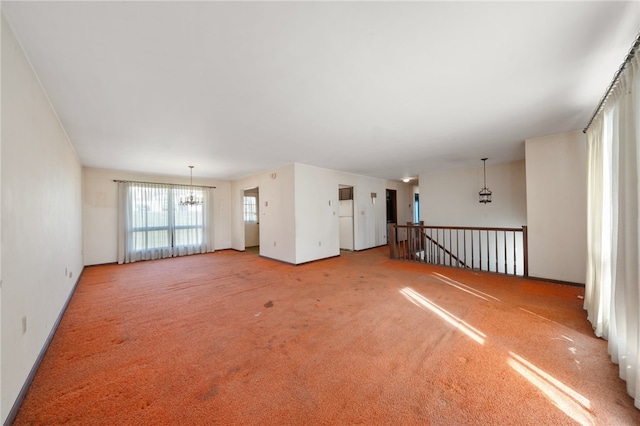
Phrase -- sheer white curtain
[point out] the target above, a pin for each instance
(598, 281)
(191, 224)
(612, 294)
(153, 225)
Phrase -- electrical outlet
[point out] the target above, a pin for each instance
(24, 324)
(274, 243)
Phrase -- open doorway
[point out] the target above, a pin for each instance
(251, 213)
(345, 213)
(392, 211)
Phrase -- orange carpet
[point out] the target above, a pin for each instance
(231, 338)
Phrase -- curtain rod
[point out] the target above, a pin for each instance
(160, 183)
(616, 77)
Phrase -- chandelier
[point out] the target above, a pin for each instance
(485, 194)
(191, 200)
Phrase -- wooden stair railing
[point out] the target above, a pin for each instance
(417, 244)
(446, 251)
(501, 250)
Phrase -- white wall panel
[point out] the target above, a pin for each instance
(557, 206)
(41, 219)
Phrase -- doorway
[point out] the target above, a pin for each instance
(251, 207)
(345, 214)
(392, 211)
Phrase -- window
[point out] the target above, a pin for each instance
(250, 208)
(345, 193)
(154, 225)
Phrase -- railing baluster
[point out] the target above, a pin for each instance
(480, 249)
(424, 243)
(440, 256)
(473, 250)
(392, 245)
(488, 252)
(431, 260)
(450, 247)
(464, 242)
(427, 245)
(515, 258)
(525, 250)
(457, 251)
(413, 242)
(495, 234)
(436, 253)
(444, 245)
(504, 236)
(486, 233)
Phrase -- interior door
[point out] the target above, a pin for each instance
(251, 217)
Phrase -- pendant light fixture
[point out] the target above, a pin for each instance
(191, 200)
(485, 194)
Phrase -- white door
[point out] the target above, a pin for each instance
(251, 217)
(345, 212)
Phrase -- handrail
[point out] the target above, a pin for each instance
(468, 228)
(493, 249)
(446, 251)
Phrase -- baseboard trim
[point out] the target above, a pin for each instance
(25, 387)
(371, 248)
(549, 280)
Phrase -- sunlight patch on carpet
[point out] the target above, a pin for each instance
(540, 316)
(419, 300)
(568, 400)
(463, 287)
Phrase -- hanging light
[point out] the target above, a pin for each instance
(485, 194)
(191, 200)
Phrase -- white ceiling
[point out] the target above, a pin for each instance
(383, 89)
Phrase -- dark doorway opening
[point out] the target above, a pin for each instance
(392, 211)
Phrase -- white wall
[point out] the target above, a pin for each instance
(299, 211)
(277, 213)
(317, 218)
(451, 197)
(557, 206)
(100, 211)
(345, 224)
(41, 219)
(317, 221)
(2, 415)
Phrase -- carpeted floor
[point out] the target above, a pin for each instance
(232, 338)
